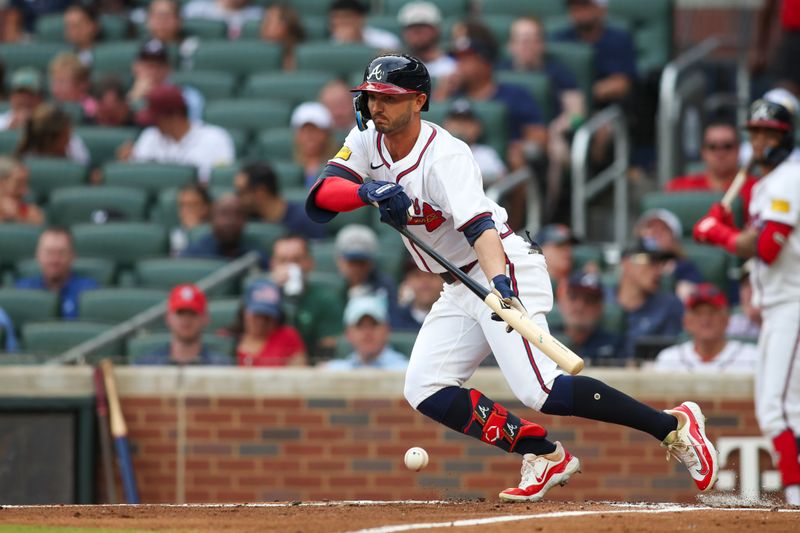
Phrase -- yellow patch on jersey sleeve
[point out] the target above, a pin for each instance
(343, 153)
(780, 206)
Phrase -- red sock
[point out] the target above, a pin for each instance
(788, 464)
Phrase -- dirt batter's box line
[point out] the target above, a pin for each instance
(559, 514)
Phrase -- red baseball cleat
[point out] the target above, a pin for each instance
(540, 474)
(690, 445)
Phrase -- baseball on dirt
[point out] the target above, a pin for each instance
(416, 458)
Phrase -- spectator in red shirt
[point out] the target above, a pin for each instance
(720, 154)
(265, 339)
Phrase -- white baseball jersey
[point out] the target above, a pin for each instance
(735, 357)
(441, 178)
(776, 197)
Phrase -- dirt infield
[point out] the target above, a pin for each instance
(387, 517)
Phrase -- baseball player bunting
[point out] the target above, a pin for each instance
(772, 239)
(397, 161)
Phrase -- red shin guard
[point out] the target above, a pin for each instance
(785, 446)
(492, 423)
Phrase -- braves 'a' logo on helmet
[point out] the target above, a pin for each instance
(376, 73)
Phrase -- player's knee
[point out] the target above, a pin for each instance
(413, 394)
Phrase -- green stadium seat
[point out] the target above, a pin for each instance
(103, 142)
(515, 8)
(212, 84)
(293, 87)
(115, 27)
(458, 8)
(712, 262)
(28, 305)
(338, 59)
(651, 27)
(290, 174)
(73, 205)
(48, 174)
(386, 23)
(583, 254)
(122, 242)
(224, 176)
(499, 25)
(315, 26)
(613, 319)
(248, 114)
(205, 28)
(324, 256)
(50, 28)
(100, 270)
(36, 55)
(166, 273)
(263, 234)
(239, 58)
(275, 143)
(54, 338)
(165, 209)
(493, 115)
(689, 207)
(143, 345)
(403, 341)
(333, 282)
(579, 59)
(149, 177)
(222, 313)
(537, 84)
(115, 57)
(9, 140)
(241, 141)
(113, 306)
(17, 242)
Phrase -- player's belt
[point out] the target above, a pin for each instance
(450, 279)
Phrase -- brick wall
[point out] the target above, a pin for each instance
(262, 449)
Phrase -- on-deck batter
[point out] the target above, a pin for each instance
(771, 238)
(398, 161)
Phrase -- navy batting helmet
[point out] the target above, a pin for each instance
(391, 74)
(774, 116)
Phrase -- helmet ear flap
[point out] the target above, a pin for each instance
(361, 110)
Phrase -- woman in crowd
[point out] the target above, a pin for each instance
(281, 25)
(48, 133)
(13, 190)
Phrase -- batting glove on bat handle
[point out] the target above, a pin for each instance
(392, 202)
(501, 286)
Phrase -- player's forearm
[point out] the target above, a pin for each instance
(491, 256)
(747, 244)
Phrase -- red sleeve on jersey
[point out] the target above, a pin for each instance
(771, 240)
(338, 194)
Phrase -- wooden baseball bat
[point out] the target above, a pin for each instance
(120, 433)
(522, 324)
(735, 186)
(101, 406)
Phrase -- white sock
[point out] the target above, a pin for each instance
(792, 493)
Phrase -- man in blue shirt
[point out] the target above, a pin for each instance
(55, 255)
(614, 51)
(368, 331)
(187, 316)
(257, 187)
(649, 311)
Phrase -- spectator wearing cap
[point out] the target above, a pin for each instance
(235, 13)
(48, 132)
(266, 340)
(421, 23)
(187, 317)
(152, 70)
(614, 52)
(14, 206)
(69, 82)
(257, 187)
(226, 240)
(418, 292)
(663, 230)
(164, 23)
(581, 306)
(337, 98)
(55, 256)
(282, 25)
(26, 94)
(347, 22)
(720, 154)
(356, 251)
(462, 122)
(314, 142)
(708, 350)
(557, 241)
(368, 331)
(745, 322)
(111, 108)
(649, 311)
(174, 138)
(82, 30)
(528, 54)
(311, 306)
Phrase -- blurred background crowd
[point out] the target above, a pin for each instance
(146, 144)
